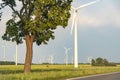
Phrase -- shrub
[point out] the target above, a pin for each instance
(101, 62)
(7, 63)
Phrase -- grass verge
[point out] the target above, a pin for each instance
(51, 72)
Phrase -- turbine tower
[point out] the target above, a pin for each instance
(4, 56)
(66, 54)
(51, 59)
(89, 60)
(16, 58)
(4, 44)
(74, 24)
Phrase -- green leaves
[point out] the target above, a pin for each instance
(49, 14)
(52, 14)
(101, 62)
(9, 2)
(11, 31)
(44, 37)
(11, 27)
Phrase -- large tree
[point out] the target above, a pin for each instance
(34, 21)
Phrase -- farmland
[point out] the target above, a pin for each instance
(51, 72)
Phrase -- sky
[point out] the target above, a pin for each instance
(98, 35)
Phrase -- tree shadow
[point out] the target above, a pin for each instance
(7, 71)
(11, 71)
(45, 70)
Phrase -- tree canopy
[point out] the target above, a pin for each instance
(101, 62)
(35, 21)
(36, 17)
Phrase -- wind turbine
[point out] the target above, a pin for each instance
(89, 59)
(51, 59)
(16, 55)
(16, 59)
(72, 60)
(4, 57)
(74, 24)
(4, 47)
(66, 54)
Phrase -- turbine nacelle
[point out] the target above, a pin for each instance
(74, 24)
(76, 10)
(67, 48)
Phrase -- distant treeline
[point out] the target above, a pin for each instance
(94, 62)
(102, 62)
(7, 63)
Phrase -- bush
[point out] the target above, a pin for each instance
(7, 63)
(101, 62)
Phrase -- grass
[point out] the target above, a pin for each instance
(51, 72)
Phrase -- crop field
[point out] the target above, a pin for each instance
(51, 72)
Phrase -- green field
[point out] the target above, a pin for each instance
(51, 72)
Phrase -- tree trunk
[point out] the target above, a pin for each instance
(29, 53)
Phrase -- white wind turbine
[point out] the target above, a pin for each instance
(4, 49)
(74, 24)
(4, 57)
(66, 54)
(51, 59)
(89, 59)
(16, 56)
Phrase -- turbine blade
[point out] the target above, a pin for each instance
(69, 49)
(73, 7)
(73, 21)
(90, 3)
(65, 48)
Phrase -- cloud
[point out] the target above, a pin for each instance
(86, 20)
(0, 1)
(5, 17)
(101, 16)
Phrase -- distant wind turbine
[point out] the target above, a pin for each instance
(74, 24)
(72, 60)
(4, 56)
(51, 59)
(16, 55)
(66, 54)
(4, 47)
(89, 59)
(16, 59)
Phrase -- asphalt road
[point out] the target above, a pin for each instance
(111, 76)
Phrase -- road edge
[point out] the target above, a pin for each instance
(92, 75)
